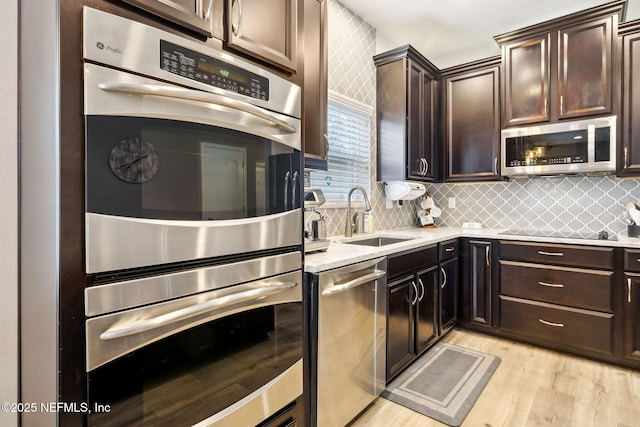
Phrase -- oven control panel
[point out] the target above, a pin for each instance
(212, 71)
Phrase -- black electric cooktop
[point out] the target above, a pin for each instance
(602, 235)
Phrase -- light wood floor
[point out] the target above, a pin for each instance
(532, 387)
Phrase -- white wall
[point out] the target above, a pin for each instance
(9, 211)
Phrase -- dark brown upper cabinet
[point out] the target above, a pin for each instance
(472, 121)
(314, 89)
(265, 30)
(406, 111)
(526, 94)
(629, 152)
(561, 69)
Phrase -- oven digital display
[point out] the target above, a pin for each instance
(211, 71)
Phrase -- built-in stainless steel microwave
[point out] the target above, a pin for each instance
(581, 146)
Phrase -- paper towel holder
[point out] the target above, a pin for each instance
(403, 190)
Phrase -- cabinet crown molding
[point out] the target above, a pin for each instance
(404, 52)
(618, 7)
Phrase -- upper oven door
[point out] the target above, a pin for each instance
(177, 174)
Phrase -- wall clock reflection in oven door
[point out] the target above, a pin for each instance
(134, 160)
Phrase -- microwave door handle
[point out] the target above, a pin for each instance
(194, 95)
(143, 325)
(591, 144)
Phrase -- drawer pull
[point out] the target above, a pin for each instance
(551, 285)
(557, 325)
(551, 253)
(449, 250)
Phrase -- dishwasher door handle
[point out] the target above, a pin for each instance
(376, 274)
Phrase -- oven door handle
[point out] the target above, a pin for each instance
(143, 325)
(353, 283)
(194, 95)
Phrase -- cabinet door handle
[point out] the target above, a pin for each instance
(546, 106)
(486, 255)
(551, 285)
(444, 281)
(426, 166)
(628, 290)
(495, 165)
(415, 288)
(557, 325)
(561, 104)
(235, 26)
(422, 289)
(551, 253)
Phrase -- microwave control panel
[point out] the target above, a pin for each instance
(211, 71)
(533, 161)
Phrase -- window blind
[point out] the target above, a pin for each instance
(348, 161)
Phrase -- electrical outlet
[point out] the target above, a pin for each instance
(452, 202)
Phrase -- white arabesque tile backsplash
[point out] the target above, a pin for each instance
(567, 204)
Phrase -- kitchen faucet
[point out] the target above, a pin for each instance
(367, 207)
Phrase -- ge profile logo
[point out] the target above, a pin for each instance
(100, 45)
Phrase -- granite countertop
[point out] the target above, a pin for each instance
(340, 254)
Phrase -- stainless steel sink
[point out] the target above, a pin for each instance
(378, 241)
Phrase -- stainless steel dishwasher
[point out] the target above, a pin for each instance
(351, 349)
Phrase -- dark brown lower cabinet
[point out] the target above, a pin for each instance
(477, 291)
(559, 294)
(448, 295)
(422, 301)
(400, 330)
(426, 327)
(632, 317)
(411, 321)
(584, 329)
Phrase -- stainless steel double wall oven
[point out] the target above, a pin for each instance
(193, 233)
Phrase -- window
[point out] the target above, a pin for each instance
(348, 161)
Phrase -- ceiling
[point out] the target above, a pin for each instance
(453, 32)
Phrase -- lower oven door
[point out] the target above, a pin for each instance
(230, 357)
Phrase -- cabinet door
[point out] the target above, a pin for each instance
(632, 318)
(473, 125)
(415, 134)
(480, 289)
(448, 294)
(526, 81)
(420, 124)
(630, 155)
(400, 322)
(426, 308)
(584, 69)
(314, 123)
(266, 30)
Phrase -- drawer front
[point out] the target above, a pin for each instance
(632, 260)
(583, 329)
(448, 249)
(575, 287)
(411, 261)
(573, 255)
